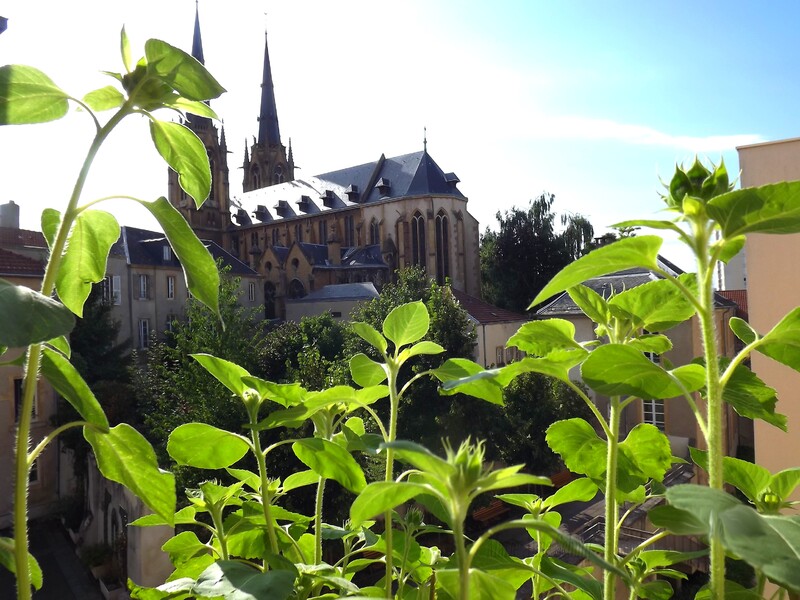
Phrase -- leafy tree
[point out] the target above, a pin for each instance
(528, 250)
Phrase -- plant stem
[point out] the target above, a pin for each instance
(318, 521)
(265, 502)
(394, 403)
(612, 513)
(463, 558)
(33, 361)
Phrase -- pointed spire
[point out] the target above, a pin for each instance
(246, 155)
(223, 144)
(197, 40)
(425, 139)
(291, 156)
(268, 131)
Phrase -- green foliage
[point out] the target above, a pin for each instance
(528, 250)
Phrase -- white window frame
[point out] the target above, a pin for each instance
(166, 253)
(654, 413)
(251, 292)
(144, 334)
(144, 286)
(170, 287)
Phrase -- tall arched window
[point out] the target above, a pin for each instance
(276, 237)
(298, 232)
(374, 232)
(349, 230)
(418, 240)
(255, 174)
(277, 175)
(296, 289)
(442, 248)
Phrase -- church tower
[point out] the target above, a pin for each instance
(211, 220)
(267, 163)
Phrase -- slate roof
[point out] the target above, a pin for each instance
(342, 291)
(617, 282)
(485, 313)
(145, 247)
(382, 180)
(15, 265)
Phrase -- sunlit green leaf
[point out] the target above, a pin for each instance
(183, 546)
(423, 347)
(654, 343)
(579, 490)
(30, 317)
(482, 585)
(748, 478)
(299, 479)
(645, 454)
(377, 498)
(330, 461)
(205, 446)
(105, 98)
(742, 329)
(657, 305)
(366, 372)
(181, 71)
(233, 580)
(184, 516)
(730, 247)
(406, 324)
(771, 208)
(186, 106)
(29, 96)
(61, 343)
(564, 572)
(540, 338)
(493, 558)
(752, 398)
(733, 591)
(66, 380)
(579, 447)
(370, 335)
(627, 253)
(677, 521)
(590, 302)
(202, 277)
(7, 560)
(421, 458)
(285, 394)
(125, 456)
(459, 375)
(125, 50)
(51, 219)
(182, 150)
(227, 373)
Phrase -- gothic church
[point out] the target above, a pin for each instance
(358, 224)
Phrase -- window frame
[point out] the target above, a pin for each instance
(651, 411)
(143, 286)
(144, 333)
(170, 287)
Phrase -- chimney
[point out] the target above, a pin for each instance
(9, 215)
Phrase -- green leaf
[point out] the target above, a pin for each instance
(492, 558)
(7, 561)
(579, 447)
(370, 335)
(377, 498)
(650, 224)
(185, 106)
(579, 490)
(366, 372)
(564, 572)
(421, 458)
(733, 591)
(124, 456)
(540, 338)
(705, 503)
(60, 343)
(657, 305)
(752, 398)
(85, 257)
(748, 478)
(233, 580)
(591, 303)
(182, 150)
(181, 71)
(227, 373)
(742, 330)
(202, 277)
(406, 324)
(782, 343)
(30, 317)
(655, 590)
(299, 479)
(206, 447)
(250, 479)
(285, 394)
(645, 454)
(125, 50)
(66, 380)
(784, 482)
(730, 247)
(619, 370)
(183, 546)
(655, 343)
(424, 347)
(482, 586)
(105, 98)
(677, 521)
(462, 376)
(331, 461)
(29, 96)
(184, 516)
(771, 208)
(51, 219)
(626, 253)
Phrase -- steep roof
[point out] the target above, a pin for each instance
(342, 291)
(617, 282)
(485, 313)
(740, 298)
(15, 265)
(145, 247)
(269, 133)
(385, 179)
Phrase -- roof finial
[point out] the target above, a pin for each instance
(425, 138)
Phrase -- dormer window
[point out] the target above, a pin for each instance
(304, 203)
(166, 253)
(383, 186)
(242, 218)
(282, 208)
(328, 198)
(352, 192)
(261, 213)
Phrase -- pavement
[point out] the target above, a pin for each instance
(65, 576)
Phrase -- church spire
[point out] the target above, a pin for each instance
(197, 40)
(268, 131)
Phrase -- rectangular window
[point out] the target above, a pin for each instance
(653, 413)
(167, 253)
(499, 354)
(111, 290)
(144, 333)
(251, 292)
(171, 322)
(144, 287)
(170, 287)
(18, 388)
(510, 354)
(323, 232)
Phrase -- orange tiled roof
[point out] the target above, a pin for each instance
(483, 312)
(12, 236)
(738, 296)
(15, 264)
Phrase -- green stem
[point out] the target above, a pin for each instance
(53, 435)
(394, 403)
(33, 361)
(318, 521)
(464, 559)
(265, 502)
(612, 514)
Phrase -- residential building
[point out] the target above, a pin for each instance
(773, 290)
(672, 416)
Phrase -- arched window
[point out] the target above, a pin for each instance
(374, 232)
(269, 300)
(255, 175)
(323, 232)
(418, 240)
(277, 175)
(296, 289)
(349, 230)
(298, 232)
(442, 248)
(276, 237)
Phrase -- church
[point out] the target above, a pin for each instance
(355, 225)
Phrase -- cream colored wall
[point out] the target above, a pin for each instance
(773, 289)
(490, 337)
(297, 310)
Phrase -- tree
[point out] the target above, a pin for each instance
(527, 251)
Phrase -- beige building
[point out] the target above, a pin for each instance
(773, 289)
(672, 416)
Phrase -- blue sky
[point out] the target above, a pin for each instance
(590, 101)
